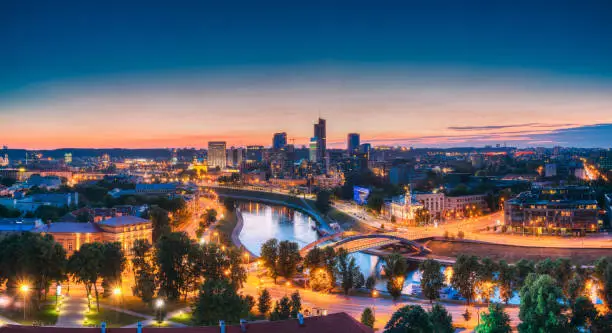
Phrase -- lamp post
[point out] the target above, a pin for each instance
(374, 295)
(24, 290)
(159, 305)
(117, 294)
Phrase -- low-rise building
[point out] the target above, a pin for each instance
(442, 206)
(569, 209)
(123, 229)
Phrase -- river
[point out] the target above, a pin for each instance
(263, 222)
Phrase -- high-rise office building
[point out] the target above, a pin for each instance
(236, 156)
(314, 150)
(320, 134)
(254, 153)
(352, 143)
(217, 154)
(365, 149)
(279, 141)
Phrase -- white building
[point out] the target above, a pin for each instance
(217, 154)
(403, 207)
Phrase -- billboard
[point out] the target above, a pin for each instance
(360, 195)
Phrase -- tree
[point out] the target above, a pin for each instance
(522, 269)
(85, 265)
(395, 268)
(347, 270)
(409, 319)
(495, 321)
(144, 271)
(269, 255)
(218, 300)
(211, 215)
(296, 304)
(367, 317)
(113, 266)
(160, 221)
(320, 280)
(323, 201)
(441, 320)
(375, 202)
(583, 313)
(172, 254)
(33, 257)
(465, 276)
(432, 279)
(540, 309)
(282, 309)
(370, 282)
(486, 278)
(575, 289)
(264, 302)
(506, 279)
(324, 259)
(288, 258)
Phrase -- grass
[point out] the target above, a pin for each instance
(513, 254)
(226, 226)
(183, 318)
(110, 317)
(347, 222)
(46, 316)
(135, 304)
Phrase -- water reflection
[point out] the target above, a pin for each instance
(263, 222)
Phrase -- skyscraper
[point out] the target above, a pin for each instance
(217, 154)
(320, 133)
(279, 141)
(314, 150)
(352, 143)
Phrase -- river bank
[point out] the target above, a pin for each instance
(512, 254)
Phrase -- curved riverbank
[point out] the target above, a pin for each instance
(236, 234)
(277, 199)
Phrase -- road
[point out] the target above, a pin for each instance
(354, 305)
(475, 229)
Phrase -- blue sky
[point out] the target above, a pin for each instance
(58, 54)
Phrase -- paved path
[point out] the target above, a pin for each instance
(6, 321)
(71, 312)
(150, 321)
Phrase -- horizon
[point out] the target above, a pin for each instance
(408, 74)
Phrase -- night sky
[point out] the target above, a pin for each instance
(420, 73)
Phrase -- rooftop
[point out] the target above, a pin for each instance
(123, 220)
(69, 227)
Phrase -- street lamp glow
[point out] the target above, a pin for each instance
(117, 291)
(24, 288)
(159, 303)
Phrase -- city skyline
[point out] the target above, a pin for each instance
(408, 74)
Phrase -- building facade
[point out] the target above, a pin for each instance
(352, 143)
(570, 209)
(123, 229)
(320, 133)
(217, 154)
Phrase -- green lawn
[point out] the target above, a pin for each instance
(46, 316)
(111, 317)
(184, 318)
(135, 304)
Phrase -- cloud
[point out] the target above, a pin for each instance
(496, 127)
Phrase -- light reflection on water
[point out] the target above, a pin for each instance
(263, 222)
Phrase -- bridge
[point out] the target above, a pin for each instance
(353, 242)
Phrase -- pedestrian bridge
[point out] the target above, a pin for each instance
(353, 242)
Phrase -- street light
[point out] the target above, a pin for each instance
(159, 305)
(287, 286)
(24, 289)
(374, 295)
